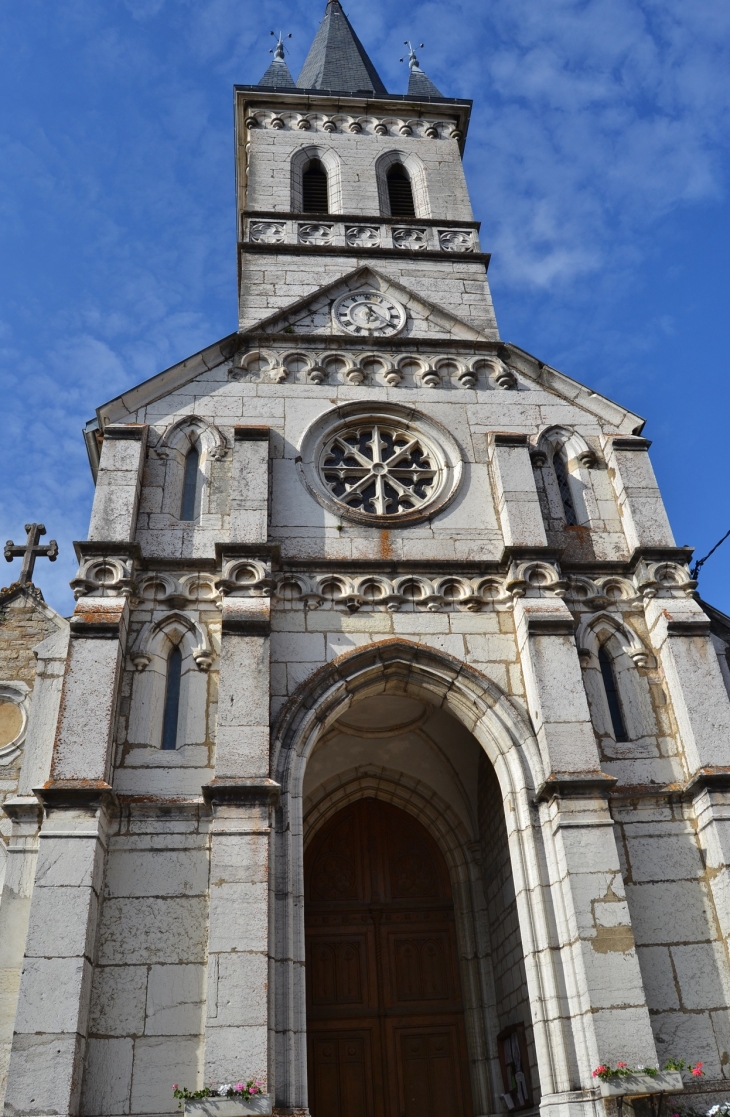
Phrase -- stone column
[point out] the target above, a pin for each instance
(118, 483)
(517, 500)
(241, 797)
(602, 992)
(47, 1057)
(639, 501)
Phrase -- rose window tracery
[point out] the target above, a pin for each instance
(379, 469)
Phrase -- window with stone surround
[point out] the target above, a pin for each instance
(380, 465)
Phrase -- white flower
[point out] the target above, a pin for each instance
(223, 1090)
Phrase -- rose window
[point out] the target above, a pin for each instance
(379, 469)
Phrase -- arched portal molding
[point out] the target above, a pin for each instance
(401, 667)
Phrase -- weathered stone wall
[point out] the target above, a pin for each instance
(25, 621)
(147, 1018)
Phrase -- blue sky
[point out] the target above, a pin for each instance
(597, 162)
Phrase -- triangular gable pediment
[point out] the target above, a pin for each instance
(312, 315)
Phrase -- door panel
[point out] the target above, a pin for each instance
(341, 1074)
(385, 1021)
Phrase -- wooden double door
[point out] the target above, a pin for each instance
(385, 1021)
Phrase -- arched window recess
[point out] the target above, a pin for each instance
(190, 446)
(402, 188)
(566, 456)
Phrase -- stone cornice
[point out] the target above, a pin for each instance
(359, 253)
(575, 785)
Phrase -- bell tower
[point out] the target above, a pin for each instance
(335, 173)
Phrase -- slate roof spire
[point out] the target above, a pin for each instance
(337, 59)
(419, 84)
(277, 76)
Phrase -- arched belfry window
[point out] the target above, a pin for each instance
(172, 699)
(566, 496)
(608, 675)
(315, 192)
(400, 192)
(190, 506)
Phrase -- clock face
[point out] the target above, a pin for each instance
(369, 314)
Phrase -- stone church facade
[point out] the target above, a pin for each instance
(392, 758)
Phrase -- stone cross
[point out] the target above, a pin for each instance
(31, 551)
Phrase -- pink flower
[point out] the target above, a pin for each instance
(622, 1065)
(175, 1086)
(697, 1070)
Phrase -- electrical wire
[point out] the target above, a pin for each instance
(694, 572)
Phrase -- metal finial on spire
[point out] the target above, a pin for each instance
(412, 59)
(278, 50)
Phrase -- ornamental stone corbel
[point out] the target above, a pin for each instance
(667, 576)
(245, 577)
(535, 579)
(106, 569)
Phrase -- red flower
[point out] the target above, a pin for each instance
(622, 1065)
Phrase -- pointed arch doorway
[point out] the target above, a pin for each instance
(385, 1019)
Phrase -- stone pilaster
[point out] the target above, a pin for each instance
(602, 991)
(517, 500)
(680, 635)
(49, 1044)
(250, 485)
(240, 796)
(639, 500)
(237, 1023)
(47, 1058)
(118, 484)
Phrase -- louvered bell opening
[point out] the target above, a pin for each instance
(315, 197)
(400, 194)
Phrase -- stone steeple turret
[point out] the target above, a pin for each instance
(419, 83)
(337, 60)
(277, 76)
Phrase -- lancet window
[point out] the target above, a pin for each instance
(566, 496)
(613, 700)
(315, 188)
(400, 192)
(190, 508)
(172, 699)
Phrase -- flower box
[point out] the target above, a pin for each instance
(259, 1106)
(634, 1085)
